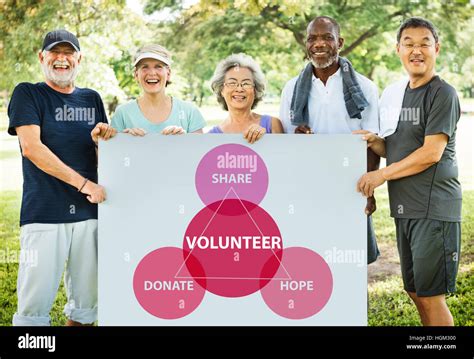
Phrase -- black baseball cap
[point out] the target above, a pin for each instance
(59, 36)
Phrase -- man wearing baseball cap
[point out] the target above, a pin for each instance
(57, 37)
(54, 121)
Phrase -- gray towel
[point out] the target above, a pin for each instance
(353, 95)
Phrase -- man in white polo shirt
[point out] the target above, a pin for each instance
(329, 97)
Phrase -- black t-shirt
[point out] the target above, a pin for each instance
(66, 121)
(436, 192)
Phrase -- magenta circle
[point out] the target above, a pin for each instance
(234, 272)
(231, 171)
(291, 298)
(160, 268)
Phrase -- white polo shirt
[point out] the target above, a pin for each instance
(327, 108)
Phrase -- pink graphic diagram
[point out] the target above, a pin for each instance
(232, 248)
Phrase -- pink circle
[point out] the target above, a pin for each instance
(163, 293)
(308, 290)
(230, 270)
(231, 171)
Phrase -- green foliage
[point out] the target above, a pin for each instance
(221, 35)
(202, 34)
(159, 5)
(98, 26)
(123, 70)
(214, 29)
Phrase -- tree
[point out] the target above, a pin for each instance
(98, 26)
(369, 29)
(202, 44)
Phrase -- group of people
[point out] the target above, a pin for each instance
(59, 213)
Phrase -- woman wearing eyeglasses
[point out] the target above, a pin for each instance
(239, 85)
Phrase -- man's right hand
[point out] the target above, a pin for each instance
(374, 142)
(95, 192)
(304, 129)
(104, 131)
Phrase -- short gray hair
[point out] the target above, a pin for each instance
(238, 60)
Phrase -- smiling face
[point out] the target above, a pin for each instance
(239, 88)
(322, 43)
(152, 75)
(60, 65)
(418, 51)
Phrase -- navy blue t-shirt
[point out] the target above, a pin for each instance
(66, 121)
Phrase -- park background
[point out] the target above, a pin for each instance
(200, 34)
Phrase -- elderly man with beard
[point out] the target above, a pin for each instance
(58, 219)
(329, 97)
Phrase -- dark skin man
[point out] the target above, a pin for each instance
(323, 44)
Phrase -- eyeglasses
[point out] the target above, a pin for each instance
(244, 85)
(413, 46)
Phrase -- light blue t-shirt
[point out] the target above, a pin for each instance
(182, 114)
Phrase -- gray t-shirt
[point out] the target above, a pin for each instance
(436, 192)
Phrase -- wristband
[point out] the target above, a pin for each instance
(85, 181)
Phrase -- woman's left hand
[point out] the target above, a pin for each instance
(254, 133)
(173, 130)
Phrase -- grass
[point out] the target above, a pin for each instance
(9, 246)
(388, 303)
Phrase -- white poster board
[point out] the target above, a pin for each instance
(209, 230)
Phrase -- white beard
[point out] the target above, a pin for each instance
(62, 81)
(323, 65)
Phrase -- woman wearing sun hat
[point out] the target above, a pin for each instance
(154, 110)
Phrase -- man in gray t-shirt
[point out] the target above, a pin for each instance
(434, 193)
(425, 194)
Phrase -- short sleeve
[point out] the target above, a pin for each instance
(101, 110)
(444, 113)
(196, 121)
(23, 108)
(117, 120)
